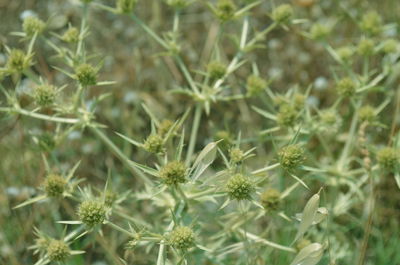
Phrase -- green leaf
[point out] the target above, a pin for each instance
(310, 255)
(308, 216)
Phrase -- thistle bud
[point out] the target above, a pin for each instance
(371, 23)
(225, 10)
(291, 156)
(287, 115)
(109, 198)
(18, 61)
(366, 114)
(216, 70)
(346, 87)
(239, 187)
(164, 127)
(154, 144)
(44, 95)
(57, 250)
(319, 31)
(270, 199)
(92, 213)
(345, 53)
(173, 173)
(71, 35)
(387, 158)
(126, 6)
(54, 185)
(236, 155)
(32, 25)
(182, 237)
(282, 14)
(178, 4)
(86, 75)
(390, 46)
(366, 47)
(255, 85)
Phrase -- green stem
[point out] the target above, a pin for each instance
(40, 116)
(193, 136)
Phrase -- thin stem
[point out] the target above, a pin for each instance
(40, 116)
(82, 31)
(149, 31)
(193, 136)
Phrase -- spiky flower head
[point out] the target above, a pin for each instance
(173, 173)
(236, 155)
(366, 114)
(346, 87)
(92, 212)
(178, 4)
(32, 25)
(126, 6)
(154, 144)
(270, 199)
(58, 250)
(388, 158)
(44, 95)
(345, 53)
(371, 23)
(18, 61)
(225, 10)
(55, 185)
(239, 187)
(182, 237)
(110, 197)
(164, 127)
(287, 115)
(86, 75)
(390, 46)
(291, 156)
(282, 14)
(255, 85)
(319, 31)
(71, 35)
(366, 47)
(216, 70)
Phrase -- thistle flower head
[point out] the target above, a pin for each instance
(18, 61)
(57, 250)
(173, 173)
(270, 199)
(319, 31)
(239, 187)
(225, 9)
(345, 53)
(182, 237)
(291, 156)
(54, 185)
(366, 114)
(390, 46)
(236, 155)
(255, 85)
(32, 25)
(126, 6)
(164, 127)
(388, 158)
(216, 70)
(44, 95)
(178, 4)
(71, 35)
(366, 47)
(86, 75)
(109, 198)
(287, 115)
(154, 144)
(282, 14)
(371, 23)
(92, 212)
(346, 87)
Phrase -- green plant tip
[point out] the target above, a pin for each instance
(388, 158)
(32, 25)
(154, 144)
(255, 85)
(346, 87)
(44, 95)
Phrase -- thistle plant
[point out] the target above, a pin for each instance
(207, 132)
